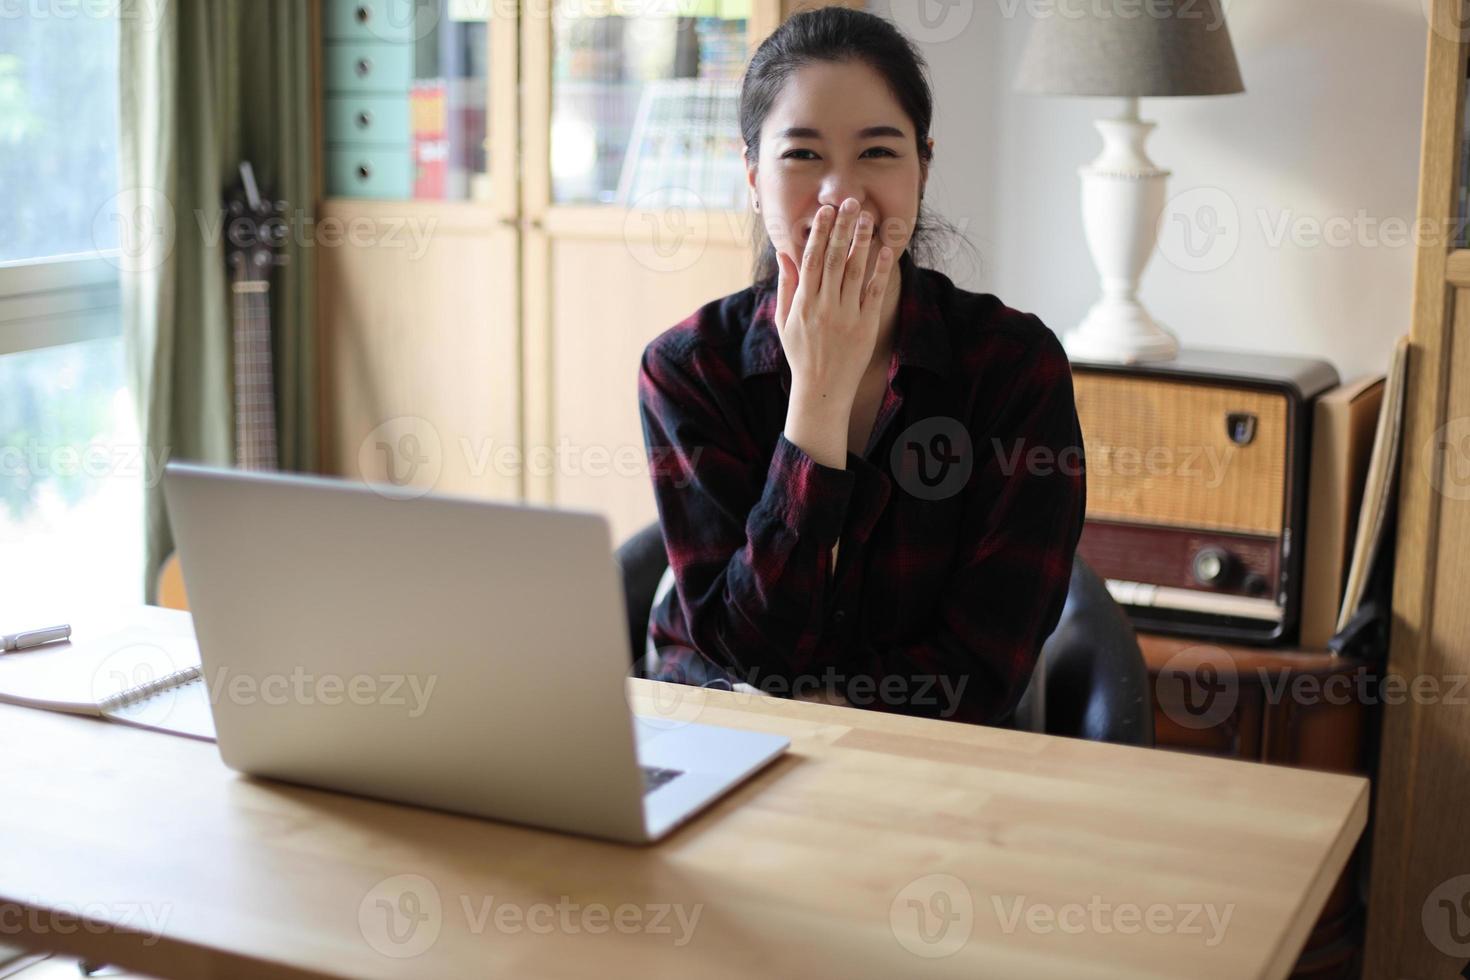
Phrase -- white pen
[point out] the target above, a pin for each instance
(33, 638)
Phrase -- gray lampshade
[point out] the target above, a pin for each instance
(1130, 48)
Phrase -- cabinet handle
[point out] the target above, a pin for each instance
(364, 67)
(364, 171)
(364, 119)
(364, 13)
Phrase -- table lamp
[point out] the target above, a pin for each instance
(1127, 49)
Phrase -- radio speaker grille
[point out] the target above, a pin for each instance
(1160, 452)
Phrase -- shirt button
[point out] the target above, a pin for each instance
(839, 615)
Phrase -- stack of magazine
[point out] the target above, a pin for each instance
(685, 146)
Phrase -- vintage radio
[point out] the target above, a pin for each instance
(1196, 488)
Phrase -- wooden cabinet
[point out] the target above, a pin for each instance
(1419, 911)
(482, 334)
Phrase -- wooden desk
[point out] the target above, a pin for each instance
(1283, 705)
(181, 867)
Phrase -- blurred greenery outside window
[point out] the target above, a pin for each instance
(72, 464)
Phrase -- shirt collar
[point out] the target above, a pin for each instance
(921, 335)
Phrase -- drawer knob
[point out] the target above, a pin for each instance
(364, 13)
(364, 67)
(364, 171)
(364, 119)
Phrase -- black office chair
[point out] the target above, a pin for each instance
(1091, 681)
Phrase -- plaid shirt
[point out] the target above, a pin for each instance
(957, 526)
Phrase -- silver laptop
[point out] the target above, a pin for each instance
(434, 650)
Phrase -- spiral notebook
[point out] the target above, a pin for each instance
(144, 671)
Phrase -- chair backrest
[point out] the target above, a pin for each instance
(643, 560)
(1091, 681)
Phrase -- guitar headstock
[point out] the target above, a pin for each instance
(255, 228)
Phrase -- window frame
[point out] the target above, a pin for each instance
(59, 299)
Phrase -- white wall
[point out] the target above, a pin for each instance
(1328, 127)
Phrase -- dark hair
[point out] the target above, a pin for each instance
(841, 34)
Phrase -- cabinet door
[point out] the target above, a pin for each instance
(421, 349)
(638, 214)
(419, 257)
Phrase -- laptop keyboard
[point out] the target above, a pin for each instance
(654, 777)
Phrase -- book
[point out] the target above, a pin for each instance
(143, 670)
(1378, 492)
(1343, 422)
(428, 111)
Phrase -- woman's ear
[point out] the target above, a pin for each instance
(750, 171)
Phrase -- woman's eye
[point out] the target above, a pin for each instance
(791, 154)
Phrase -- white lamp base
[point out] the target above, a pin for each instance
(1122, 198)
(1120, 330)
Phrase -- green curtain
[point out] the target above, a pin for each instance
(204, 85)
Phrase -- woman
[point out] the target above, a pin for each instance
(870, 481)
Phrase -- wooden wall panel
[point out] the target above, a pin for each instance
(1422, 792)
(1423, 786)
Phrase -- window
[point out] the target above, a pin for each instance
(58, 128)
(71, 461)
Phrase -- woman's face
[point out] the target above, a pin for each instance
(852, 139)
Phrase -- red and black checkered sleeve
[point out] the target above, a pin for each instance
(1027, 497)
(749, 541)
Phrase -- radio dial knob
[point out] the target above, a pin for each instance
(1212, 566)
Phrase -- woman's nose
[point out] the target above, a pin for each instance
(839, 193)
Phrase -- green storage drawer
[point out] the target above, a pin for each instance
(368, 20)
(370, 170)
(367, 119)
(359, 67)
